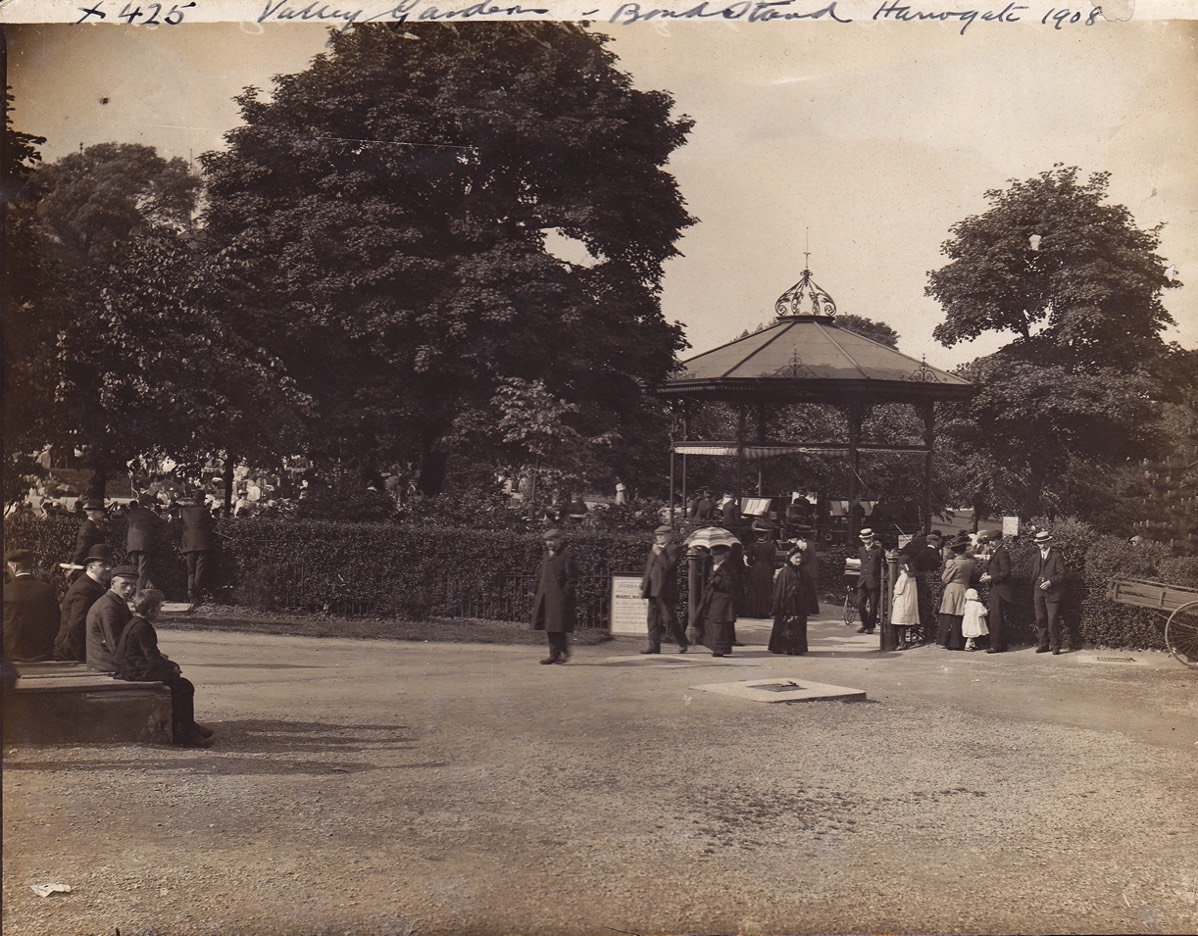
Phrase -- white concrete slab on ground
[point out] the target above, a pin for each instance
(781, 690)
(175, 607)
(699, 656)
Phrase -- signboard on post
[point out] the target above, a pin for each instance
(1010, 526)
(629, 611)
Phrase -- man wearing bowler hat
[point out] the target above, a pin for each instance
(93, 530)
(30, 611)
(660, 586)
(107, 619)
(196, 544)
(554, 607)
(869, 583)
(71, 642)
(1048, 588)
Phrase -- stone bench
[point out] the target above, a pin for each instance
(66, 703)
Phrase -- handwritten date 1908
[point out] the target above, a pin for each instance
(133, 14)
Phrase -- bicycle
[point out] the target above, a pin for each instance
(852, 572)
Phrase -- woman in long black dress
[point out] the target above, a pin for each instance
(791, 599)
(762, 559)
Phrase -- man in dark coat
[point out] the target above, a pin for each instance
(659, 585)
(107, 617)
(30, 612)
(197, 544)
(554, 607)
(928, 557)
(93, 530)
(701, 512)
(1048, 588)
(71, 642)
(869, 583)
(141, 539)
(804, 539)
(998, 577)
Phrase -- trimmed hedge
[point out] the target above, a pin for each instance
(414, 571)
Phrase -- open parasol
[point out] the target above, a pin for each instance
(712, 536)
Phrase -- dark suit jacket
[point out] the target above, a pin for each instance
(30, 619)
(106, 620)
(142, 531)
(90, 533)
(1051, 569)
(138, 657)
(555, 606)
(999, 568)
(661, 574)
(810, 570)
(197, 529)
(871, 567)
(71, 642)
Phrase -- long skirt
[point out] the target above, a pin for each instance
(789, 634)
(949, 635)
(719, 636)
(759, 591)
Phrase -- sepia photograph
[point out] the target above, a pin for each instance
(720, 469)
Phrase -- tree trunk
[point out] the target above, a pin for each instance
(227, 478)
(433, 467)
(97, 484)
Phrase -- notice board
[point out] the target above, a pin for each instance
(629, 611)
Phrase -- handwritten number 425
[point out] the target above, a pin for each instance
(132, 13)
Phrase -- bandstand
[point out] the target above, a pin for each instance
(806, 358)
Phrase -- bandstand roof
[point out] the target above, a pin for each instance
(805, 357)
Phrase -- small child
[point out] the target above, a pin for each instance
(973, 624)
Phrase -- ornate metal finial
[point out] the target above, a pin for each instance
(794, 369)
(805, 298)
(923, 373)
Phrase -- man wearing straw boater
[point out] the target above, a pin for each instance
(869, 584)
(1048, 587)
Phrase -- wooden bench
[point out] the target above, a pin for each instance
(66, 703)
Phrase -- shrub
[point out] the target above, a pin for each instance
(417, 570)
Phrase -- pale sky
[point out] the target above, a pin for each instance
(873, 138)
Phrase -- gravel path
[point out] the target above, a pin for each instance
(388, 788)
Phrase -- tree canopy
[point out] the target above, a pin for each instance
(1071, 276)
(390, 206)
(116, 346)
(1078, 393)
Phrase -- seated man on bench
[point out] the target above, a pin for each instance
(107, 617)
(30, 612)
(138, 659)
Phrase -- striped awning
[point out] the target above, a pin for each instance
(756, 450)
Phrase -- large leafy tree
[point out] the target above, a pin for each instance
(391, 206)
(23, 277)
(122, 350)
(1052, 263)
(1080, 388)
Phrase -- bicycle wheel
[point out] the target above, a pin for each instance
(1181, 634)
(850, 608)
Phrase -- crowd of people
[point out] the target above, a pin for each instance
(105, 620)
(750, 582)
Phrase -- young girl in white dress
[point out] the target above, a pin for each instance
(973, 624)
(905, 611)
